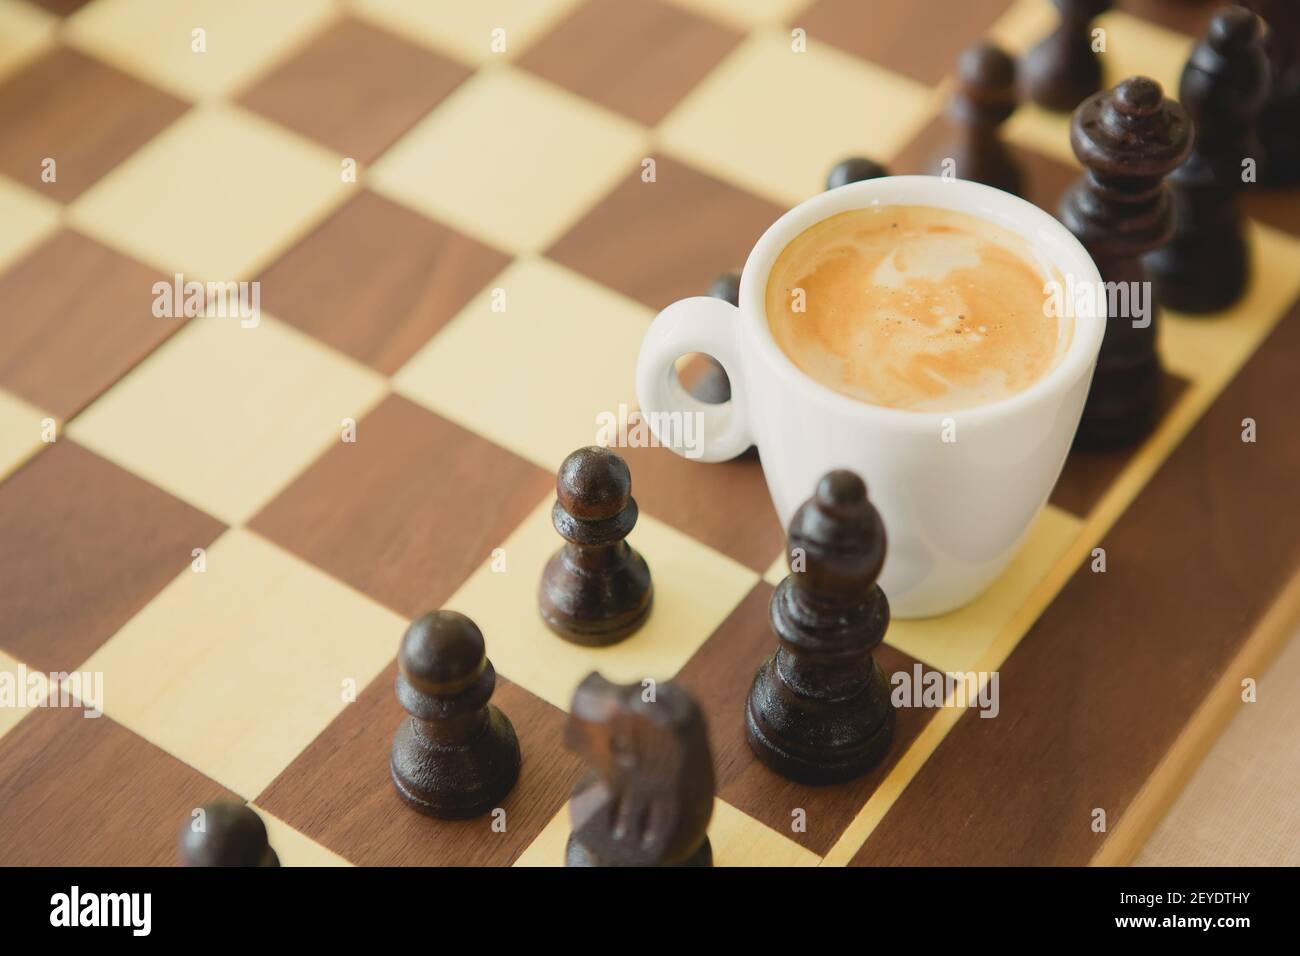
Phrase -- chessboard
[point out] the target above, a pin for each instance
(447, 209)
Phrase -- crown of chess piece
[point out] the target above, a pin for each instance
(1205, 266)
(1279, 120)
(986, 97)
(225, 833)
(456, 754)
(596, 589)
(647, 797)
(1128, 139)
(1062, 70)
(855, 169)
(819, 708)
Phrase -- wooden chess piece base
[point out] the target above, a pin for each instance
(456, 782)
(1122, 407)
(582, 617)
(578, 853)
(810, 742)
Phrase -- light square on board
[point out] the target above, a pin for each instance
(224, 416)
(24, 31)
(355, 87)
(1134, 47)
(774, 120)
(664, 240)
(214, 197)
(957, 642)
(601, 52)
(376, 280)
(48, 116)
(155, 39)
(62, 346)
(237, 668)
(917, 38)
(465, 30)
(80, 791)
(20, 432)
(695, 588)
(510, 159)
(340, 793)
(736, 839)
(83, 546)
(406, 512)
(28, 218)
(514, 375)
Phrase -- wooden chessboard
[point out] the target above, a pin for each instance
(521, 171)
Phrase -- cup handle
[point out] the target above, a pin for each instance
(698, 324)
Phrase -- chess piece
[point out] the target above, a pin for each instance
(1204, 267)
(985, 98)
(596, 590)
(648, 795)
(225, 833)
(1128, 139)
(854, 170)
(1278, 124)
(455, 755)
(727, 288)
(704, 376)
(819, 709)
(1062, 69)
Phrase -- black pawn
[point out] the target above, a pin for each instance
(819, 709)
(456, 755)
(704, 376)
(596, 589)
(985, 98)
(1062, 70)
(226, 834)
(1279, 122)
(1128, 139)
(855, 169)
(1204, 268)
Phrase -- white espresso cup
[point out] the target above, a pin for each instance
(957, 490)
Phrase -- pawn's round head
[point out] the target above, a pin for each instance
(593, 484)
(837, 540)
(442, 653)
(855, 169)
(985, 65)
(1233, 29)
(726, 287)
(224, 834)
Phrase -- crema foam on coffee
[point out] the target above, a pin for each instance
(915, 307)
